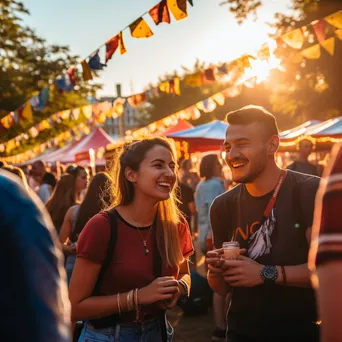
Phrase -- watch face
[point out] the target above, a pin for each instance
(269, 273)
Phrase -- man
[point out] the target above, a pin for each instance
(326, 249)
(33, 292)
(269, 213)
(302, 164)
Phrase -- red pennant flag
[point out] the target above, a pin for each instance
(72, 75)
(208, 76)
(319, 28)
(111, 47)
(160, 13)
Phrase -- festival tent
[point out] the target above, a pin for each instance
(298, 130)
(181, 125)
(203, 138)
(330, 128)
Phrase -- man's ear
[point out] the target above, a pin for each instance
(274, 144)
(130, 175)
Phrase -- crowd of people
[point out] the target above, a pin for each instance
(102, 257)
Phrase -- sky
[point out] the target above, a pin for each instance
(209, 33)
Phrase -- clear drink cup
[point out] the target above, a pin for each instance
(231, 250)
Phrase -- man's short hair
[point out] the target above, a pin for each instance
(254, 114)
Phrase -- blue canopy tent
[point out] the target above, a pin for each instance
(298, 130)
(203, 138)
(329, 128)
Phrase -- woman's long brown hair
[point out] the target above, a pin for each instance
(62, 198)
(168, 214)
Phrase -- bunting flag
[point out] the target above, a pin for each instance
(122, 44)
(27, 111)
(44, 97)
(194, 80)
(335, 19)
(140, 29)
(339, 34)
(165, 87)
(87, 111)
(223, 69)
(160, 13)
(294, 39)
(72, 75)
(177, 8)
(175, 86)
(6, 122)
(208, 76)
(233, 91)
(191, 2)
(245, 61)
(86, 71)
(64, 84)
(329, 45)
(313, 52)
(136, 100)
(251, 82)
(94, 62)
(193, 112)
(219, 99)
(207, 105)
(319, 28)
(111, 46)
(34, 102)
(76, 113)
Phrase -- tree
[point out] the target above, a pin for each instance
(29, 64)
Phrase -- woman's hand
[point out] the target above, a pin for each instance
(69, 249)
(160, 289)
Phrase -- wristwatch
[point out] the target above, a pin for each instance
(269, 274)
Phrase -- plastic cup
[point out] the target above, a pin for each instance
(231, 250)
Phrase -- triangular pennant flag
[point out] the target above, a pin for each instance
(194, 80)
(319, 28)
(294, 39)
(208, 75)
(87, 111)
(223, 69)
(219, 99)
(165, 87)
(123, 49)
(335, 19)
(245, 61)
(339, 33)
(175, 86)
(44, 97)
(177, 8)
(6, 122)
(232, 91)
(64, 84)
(111, 46)
(95, 61)
(191, 2)
(72, 75)
(329, 45)
(34, 102)
(76, 113)
(140, 29)
(86, 71)
(160, 13)
(27, 112)
(251, 82)
(209, 105)
(313, 52)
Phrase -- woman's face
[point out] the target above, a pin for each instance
(217, 169)
(82, 180)
(156, 176)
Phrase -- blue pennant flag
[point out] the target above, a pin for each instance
(95, 62)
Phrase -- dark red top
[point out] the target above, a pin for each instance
(130, 267)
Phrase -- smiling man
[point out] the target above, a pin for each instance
(269, 213)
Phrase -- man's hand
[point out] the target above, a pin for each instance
(243, 272)
(215, 261)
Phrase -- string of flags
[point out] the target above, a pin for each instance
(227, 71)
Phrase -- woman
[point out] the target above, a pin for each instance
(207, 190)
(96, 198)
(62, 198)
(149, 227)
(81, 179)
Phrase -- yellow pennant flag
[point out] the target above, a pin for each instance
(294, 39)
(165, 87)
(175, 85)
(65, 114)
(219, 98)
(45, 125)
(86, 71)
(27, 112)
(194, 80)
(177, 8)
(140, 29)
(339, 34)
(87, 111)
(122, 44)
(335, 19)
(329, 45)
(313, 52)
(6, 122)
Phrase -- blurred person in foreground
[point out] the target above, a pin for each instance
(270, 215)
(33, 292)
(326, 249)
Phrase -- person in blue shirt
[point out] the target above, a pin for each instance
(33, 293)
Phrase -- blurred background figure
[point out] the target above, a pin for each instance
(207, 190)
(33, 294)
(63, 197)
(82, 179)
(96, 199)
(186, 175)
(302, 164)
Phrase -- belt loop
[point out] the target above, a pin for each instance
(117, 331)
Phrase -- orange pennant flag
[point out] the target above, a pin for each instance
(175, 86)
(319, 28)
(219, 98)
(335, 19)
(339, 33)
(6, 122)
(160, 13)
(294, 39)
(123, 49)
(177, 8)
(27, 112)
(140, 29)
(165, 87)
(329, 45)
(194, 80)
(313, 52)
(87, 76)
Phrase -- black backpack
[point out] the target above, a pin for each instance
(109, 321)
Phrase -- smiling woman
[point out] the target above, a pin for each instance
(148, 270)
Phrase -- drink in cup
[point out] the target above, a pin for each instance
(231, 250)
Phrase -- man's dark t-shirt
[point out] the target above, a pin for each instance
(270, 312)
(186, 195)
(303, 167)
